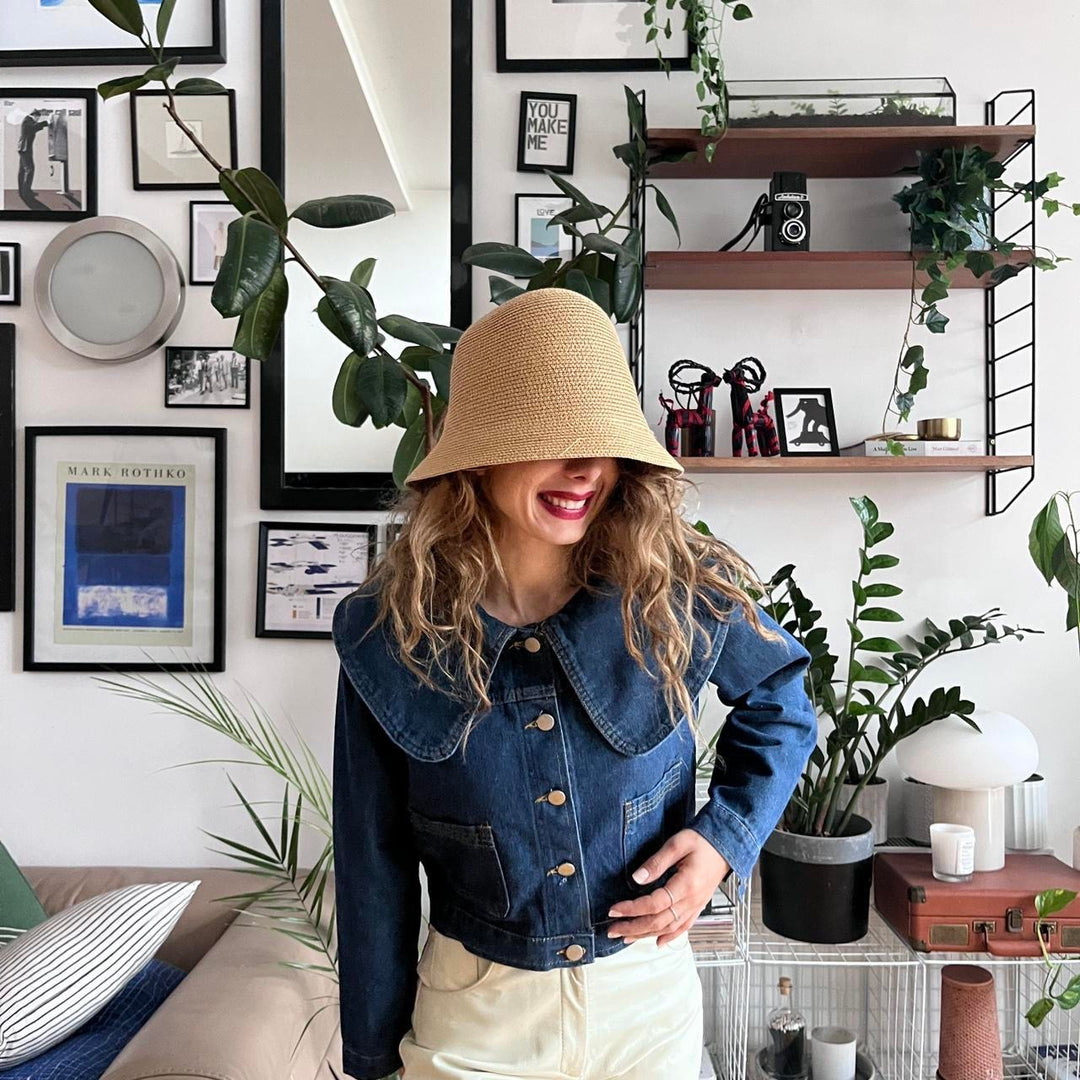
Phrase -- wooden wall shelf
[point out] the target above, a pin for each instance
(794, 270)
(821, 153)
(782, 464)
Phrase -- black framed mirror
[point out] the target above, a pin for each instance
(399, 139)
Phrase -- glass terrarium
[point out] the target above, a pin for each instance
(841, 102)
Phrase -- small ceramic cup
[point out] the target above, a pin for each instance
(832, 1053)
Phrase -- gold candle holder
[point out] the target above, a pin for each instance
(939, 427)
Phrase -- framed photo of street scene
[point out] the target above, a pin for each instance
(207, 377)
(305, 571)
(125, 549)
(57, 33)
(48, 154)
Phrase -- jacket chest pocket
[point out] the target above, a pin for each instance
(464, 860)
(648, 820)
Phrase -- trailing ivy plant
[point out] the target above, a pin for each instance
(950, 213)
(607, 268)
(1048, 903)
(703, 21)
(867, 708)
(1055, 550)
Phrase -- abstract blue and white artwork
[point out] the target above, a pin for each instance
(124, 555)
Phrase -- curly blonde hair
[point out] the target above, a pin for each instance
(435, 572)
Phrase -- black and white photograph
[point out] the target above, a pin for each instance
(305, 571)
(164, 157)
(547, 125)
(48, 154)
(585, 35)
(57, 33)
(805, 423)
(206, 377)
(534, 231)
(208, 238)
(10, 274)
(124, 548)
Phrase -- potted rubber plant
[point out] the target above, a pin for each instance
(816, 865)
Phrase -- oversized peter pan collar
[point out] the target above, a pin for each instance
(625, 704)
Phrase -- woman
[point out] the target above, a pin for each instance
(516, 712)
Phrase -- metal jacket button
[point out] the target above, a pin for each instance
(556, 797)
(574, 952)
(545, 721)
(566, 869)
(532, 644)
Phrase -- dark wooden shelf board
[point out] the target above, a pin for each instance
(828, 464)
(822, 153)
(795, 270)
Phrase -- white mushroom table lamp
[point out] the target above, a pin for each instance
(969, 771)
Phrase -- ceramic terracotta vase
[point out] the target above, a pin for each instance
(969, 1043)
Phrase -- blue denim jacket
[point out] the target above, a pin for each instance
(572, 780)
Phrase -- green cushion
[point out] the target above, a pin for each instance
(20, 908)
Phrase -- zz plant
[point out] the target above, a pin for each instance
(950, 211)
(868, 708)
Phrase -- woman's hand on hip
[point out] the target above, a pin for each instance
(699, 870)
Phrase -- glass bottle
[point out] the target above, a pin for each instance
(786, 1051)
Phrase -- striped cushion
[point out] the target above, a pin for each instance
(58, 974)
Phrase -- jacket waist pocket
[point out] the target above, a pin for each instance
(648, 820)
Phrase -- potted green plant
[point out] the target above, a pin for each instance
(816, 864)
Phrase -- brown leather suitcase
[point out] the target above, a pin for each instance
(994, 912)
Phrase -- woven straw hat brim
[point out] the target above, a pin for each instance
(543, 376)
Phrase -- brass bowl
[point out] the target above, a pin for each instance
(939, 427)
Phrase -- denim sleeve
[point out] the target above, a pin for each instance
(377, 887)
(764, 742)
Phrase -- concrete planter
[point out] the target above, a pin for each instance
(872, 804)
(817, 888)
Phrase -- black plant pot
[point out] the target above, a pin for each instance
(817, 888)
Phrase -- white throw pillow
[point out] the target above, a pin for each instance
(58, 974)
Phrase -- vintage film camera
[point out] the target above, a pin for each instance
(787, 216)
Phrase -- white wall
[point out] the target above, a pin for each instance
(80, 777)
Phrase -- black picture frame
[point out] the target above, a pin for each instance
(265, 527)
(218, 436)
(193, 277)
(11, 290)
(287, 490)
(89, 99)
(554, 196)
(789, 392)
(523, 164)
(7, 467)
(537, 64)
(214, 53)
(172, 355)
(203, 185)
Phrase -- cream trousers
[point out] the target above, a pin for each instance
(633, 1015)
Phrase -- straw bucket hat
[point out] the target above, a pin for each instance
(541, 376)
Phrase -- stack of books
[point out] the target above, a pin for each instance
(918, 448)
(714, 928)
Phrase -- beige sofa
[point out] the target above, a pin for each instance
(239, 1012)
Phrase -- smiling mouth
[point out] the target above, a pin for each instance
(569, 505)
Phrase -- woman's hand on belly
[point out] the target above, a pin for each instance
(699, 869)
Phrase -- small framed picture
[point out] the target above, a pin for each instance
(206, 377)
(305, 571)
(208, 238)
(805, 422)
(48, 154)
(547, 124)
(586, 35)
(533, 230)
(10, 274)
(124, 549)
(163, 157)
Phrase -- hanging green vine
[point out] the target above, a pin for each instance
(703, 21)
(950, 214)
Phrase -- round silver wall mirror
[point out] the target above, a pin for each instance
(109, 289)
